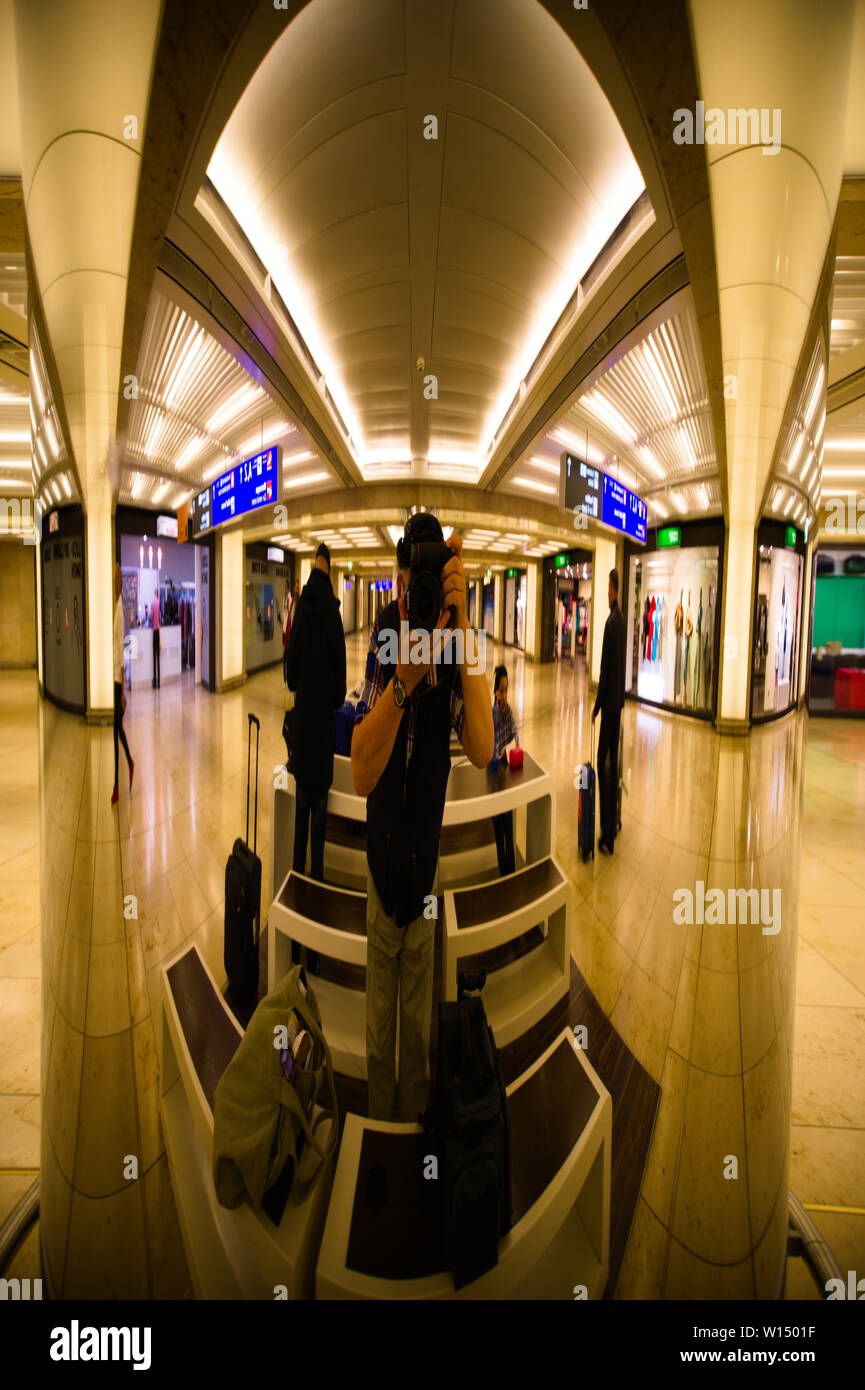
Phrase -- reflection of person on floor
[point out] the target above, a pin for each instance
(610, 700)
(400, 761)
(119, 694)
(156, 623)
(503, 825)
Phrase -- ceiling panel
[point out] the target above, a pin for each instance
(386, 246)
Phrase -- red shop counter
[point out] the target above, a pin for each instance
(849, 688)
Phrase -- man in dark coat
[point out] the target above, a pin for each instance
(316, 673)
(610, 701)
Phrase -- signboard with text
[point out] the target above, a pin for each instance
(249, 485)
(588, 489)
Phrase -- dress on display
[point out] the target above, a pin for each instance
(656, 630)
(678, 618)
(698, 651)
(689, 629)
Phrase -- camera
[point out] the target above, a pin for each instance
(423, 598)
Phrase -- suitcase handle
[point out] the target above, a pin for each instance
(252, 720)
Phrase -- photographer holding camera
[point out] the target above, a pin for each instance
(400, 759)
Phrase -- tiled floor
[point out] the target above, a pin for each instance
(707, 1010)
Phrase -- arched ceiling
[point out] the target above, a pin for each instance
(388, 246)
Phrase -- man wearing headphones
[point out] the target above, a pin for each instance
(400, 758)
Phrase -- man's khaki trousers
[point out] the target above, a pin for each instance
(399, 964)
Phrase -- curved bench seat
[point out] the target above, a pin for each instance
(560, 1190)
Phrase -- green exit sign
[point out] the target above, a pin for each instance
(669, 535)
(350, 563)
(791, 537)
(512, 574)
(561, 561)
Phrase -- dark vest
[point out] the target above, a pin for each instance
(404, 811)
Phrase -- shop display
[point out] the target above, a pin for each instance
(775, 669)
(671, 627)
(838, 633)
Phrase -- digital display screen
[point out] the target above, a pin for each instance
(624, 510)
(249, 485)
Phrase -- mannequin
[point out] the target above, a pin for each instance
(677, 625)
(689, 630)
(708, 638)
(697, 651)
(656, 630)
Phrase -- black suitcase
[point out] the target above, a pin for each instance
(243, 899)
(621, 778)
(471, 1125)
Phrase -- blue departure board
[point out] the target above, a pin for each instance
(588, 489)
(624, 510)
(251, 484)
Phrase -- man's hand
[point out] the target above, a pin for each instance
(453, 578)
(412, 674)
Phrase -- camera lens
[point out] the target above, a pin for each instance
(424, 600)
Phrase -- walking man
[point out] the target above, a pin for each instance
(610, 701)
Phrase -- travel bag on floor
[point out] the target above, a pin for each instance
(243, 899)
(273, 1103)
(344, 729)
(469, 1120)
(586, 807)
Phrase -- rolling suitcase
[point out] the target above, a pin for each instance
(243, 899)
(586, 806)
(621, 779)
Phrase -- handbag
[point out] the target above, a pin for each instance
(263, 1122)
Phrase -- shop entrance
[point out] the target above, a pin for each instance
(837, 683)
(515, 609)
(573, 603)
(157, 571)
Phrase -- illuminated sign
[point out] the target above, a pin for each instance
(590, 490)
(274, 553)
(669, 535)
(582, 486)
(53, 521)
(167, 526)
(244, 488)
(561, 561)
(791, 537)
(624, 510)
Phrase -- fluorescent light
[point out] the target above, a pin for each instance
(237, 404)
(845, 444)
(844, 472)
(679, 502)
(815, 396)
(609, 416)
(304, 479)
(547, 466)
(14, 436)
(535, 486)
(186, 365)
(64, 479)
(651, 462)
(662, 511)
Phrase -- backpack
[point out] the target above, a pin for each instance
(469, 1119)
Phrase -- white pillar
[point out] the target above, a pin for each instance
(230, 597)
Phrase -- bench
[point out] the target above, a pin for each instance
(560, 1235)
(236, 1253)
(332, 921)
(480, 919)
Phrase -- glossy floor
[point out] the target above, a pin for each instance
(709, 1010)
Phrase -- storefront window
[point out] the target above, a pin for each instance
(838, 633)
(775, 672)
(673, 609)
